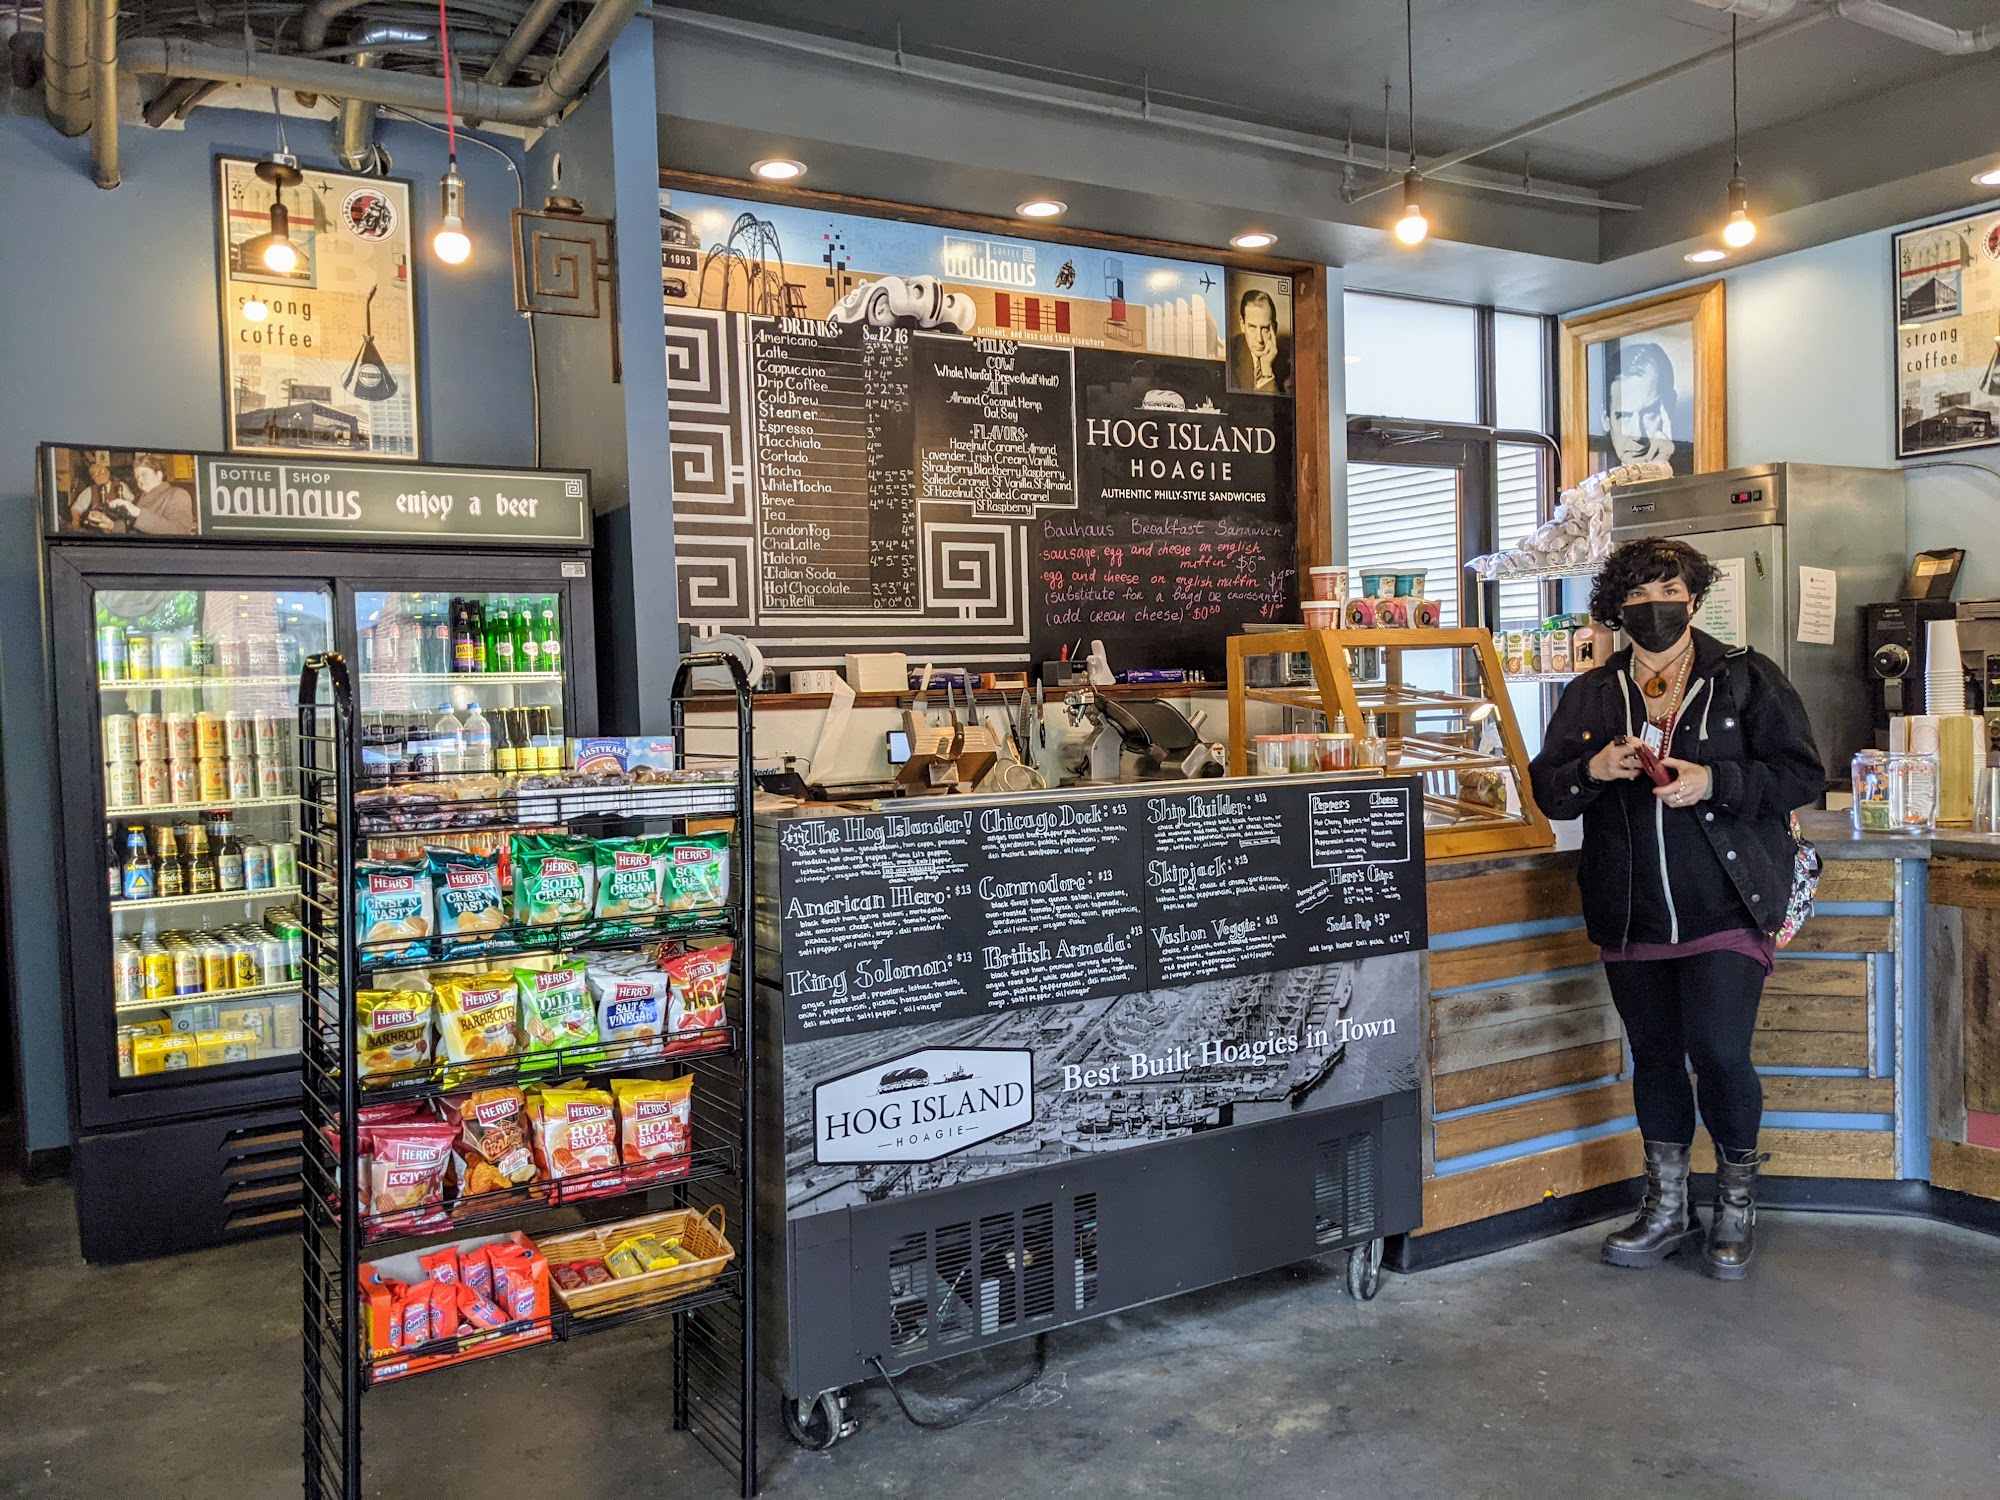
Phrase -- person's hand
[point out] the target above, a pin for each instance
(1691, 784)
(1617, 761)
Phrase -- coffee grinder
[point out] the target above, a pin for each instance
(1894, 637)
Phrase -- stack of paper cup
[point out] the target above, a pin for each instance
(1944, 680)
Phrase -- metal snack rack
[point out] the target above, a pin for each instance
(714, 1324)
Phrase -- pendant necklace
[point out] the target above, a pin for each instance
(1656, 685)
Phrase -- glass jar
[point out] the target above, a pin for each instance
(1335, 752)
(1270, 754)
(1913, 792)
(1870, 772)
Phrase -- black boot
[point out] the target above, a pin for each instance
(1732, 1236)
(1666, 1224)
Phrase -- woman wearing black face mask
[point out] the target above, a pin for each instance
(1683, 882)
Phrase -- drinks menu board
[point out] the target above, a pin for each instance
(938, 911)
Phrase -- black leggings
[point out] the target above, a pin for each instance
(1700, 1010)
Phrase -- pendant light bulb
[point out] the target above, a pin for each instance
(1741, 229)
(451, 243)
(274, 248)
(1412, 228)
(280, 254)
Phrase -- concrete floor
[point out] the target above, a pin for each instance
(1863, 1360)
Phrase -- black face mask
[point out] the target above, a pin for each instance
(1656, 624)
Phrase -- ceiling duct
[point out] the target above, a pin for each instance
(1753, 10)
(66, 66)
(354, 127)
(1891, 20)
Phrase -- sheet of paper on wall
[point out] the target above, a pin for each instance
(1721, 612)
(1817, 606)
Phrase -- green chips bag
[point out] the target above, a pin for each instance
(697, 872)
(555, 879)
(556, 1011)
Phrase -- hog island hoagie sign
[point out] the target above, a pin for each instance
(130, 493)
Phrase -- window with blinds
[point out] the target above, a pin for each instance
(1402, 517)
(1519, 497)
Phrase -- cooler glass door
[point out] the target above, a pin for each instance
(195, 820)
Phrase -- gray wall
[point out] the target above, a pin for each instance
(111, 333)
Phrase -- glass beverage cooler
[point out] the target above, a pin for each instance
(176, 678)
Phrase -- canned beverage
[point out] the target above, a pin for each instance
(157, 965)
(273, 961)
(184, 782)
(189, 972)
(242, 966)
(256, 867)
(268, 730)
(154, 788)
(128, 972)
(138, 655)
(239, 735)
(151, 732)
(121, 738)
(210, 736)
(270, 777)
(284, 864)
(242, 780)
(233, 657)
(214, 775)
(169, 656)
(125, 1036)
(121, 784)
(112, 662)
(180, 737)
(201, 655)
(216, 969)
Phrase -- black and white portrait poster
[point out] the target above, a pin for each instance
(1639, 395)
(1948, 336)
(1260, 333)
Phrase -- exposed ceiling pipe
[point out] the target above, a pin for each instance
(66, 66)
(522, 42)
(104, 92)
(175, 58)
(1753, 10)
(354, 126)
(318, 17)
(1891, 20)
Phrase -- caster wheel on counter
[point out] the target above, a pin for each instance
(818, 1424)
(1364, 1271)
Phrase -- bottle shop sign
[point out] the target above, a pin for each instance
(132, 493)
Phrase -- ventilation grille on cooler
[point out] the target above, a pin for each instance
(1344, 1190)
(966, 1283)
(262, 1189)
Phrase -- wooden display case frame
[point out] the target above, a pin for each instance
(1333, 691)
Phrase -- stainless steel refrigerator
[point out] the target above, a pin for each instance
(1786, 536)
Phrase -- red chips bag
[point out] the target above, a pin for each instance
(406, 1171)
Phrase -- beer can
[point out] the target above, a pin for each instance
(201, 654)
(121, 784)
(183, 781)
(169, 656)
(239, 737)
(180, 737)
(154, 788)
(256, 867)
(284, 864)
(112, 661)
(121, 738)
(216, 969)
(268, 731)
(125, 1036)
(242, 966)
(214, 775)
(128, 973)
(233, 656)
(242, 780)
(157, 964)
(273, 961)
(189, 972)
(270, 777)
(138, 655)
(209, 734)
(151, 731)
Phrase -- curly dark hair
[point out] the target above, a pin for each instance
(1649, 559)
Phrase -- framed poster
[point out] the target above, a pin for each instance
(321, 358)
(1644, 382)
(1948, 335)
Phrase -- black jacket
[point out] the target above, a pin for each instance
(1657, 874)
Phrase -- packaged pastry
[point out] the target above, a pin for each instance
(224, 1046)
(697, 873)
(393, 908)
(700, 984)
(556, 1010)
(632, 876)
(469, 908)
(162, 1054)
(392, 1030)
(555, 878)
(477, 1016)
(654, 1126)
(406, 1171)
(631, 1008)
(574, 1131)
(492, 1152)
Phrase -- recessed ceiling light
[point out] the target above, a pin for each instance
(1706, 257)
(778, 169)
(1253, 239)
(1041, 208)
(1988, 178)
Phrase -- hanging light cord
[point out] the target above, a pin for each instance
(450, 115)
(1735, 151)
(1410, 60)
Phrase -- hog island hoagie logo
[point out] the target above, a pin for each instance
(923, 1105)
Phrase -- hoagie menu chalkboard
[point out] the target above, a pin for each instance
(946, 909)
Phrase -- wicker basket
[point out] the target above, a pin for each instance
(701, 1234)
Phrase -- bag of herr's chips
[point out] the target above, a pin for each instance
(555, 879)
(631, 877)
(556, 1012)
(697, 873)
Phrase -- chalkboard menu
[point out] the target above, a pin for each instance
(946, 911)
(993, 426)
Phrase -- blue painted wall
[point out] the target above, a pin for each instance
(111, 331)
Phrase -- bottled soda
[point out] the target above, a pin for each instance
(201, 874)
(527, 645)
(169, 876)
(499, 636)
(551, 637)
(437, 636)
(139, 870)
(229, 875)
(506, 747)
(114, 864)
(475, 627)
